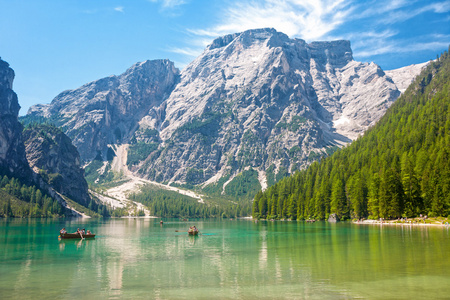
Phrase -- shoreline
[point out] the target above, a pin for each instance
(413, 223)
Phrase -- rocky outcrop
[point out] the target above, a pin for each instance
(403, 77)
(107, 111)
(333, 218)
(12, 151)
(51, 154)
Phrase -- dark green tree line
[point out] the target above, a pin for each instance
(170, 204)
(22, 200)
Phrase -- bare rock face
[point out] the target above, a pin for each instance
(333, 218)
(403, 77)
(51, 154)
(260, 99)
(108, 110)
(49, 151)
(12, 151)
(255, 99)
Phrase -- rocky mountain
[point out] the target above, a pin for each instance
(255, 100)
(107, 111)
(262, 100)
(13, 160)
(400, 167)
(403, 77)
(51, 154)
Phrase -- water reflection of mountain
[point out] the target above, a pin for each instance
(239, 259)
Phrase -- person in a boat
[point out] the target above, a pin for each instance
(63, 231)
(83, 231)
(88, 232)
(78, 230)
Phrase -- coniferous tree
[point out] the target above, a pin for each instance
(339, 199)
(263, 206)
(411, 186)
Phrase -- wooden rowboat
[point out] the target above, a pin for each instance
(76, 236)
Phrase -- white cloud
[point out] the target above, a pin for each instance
(167, 4)
(307, 19)
(440, 8)
(396, 16)
(395, 47)
(369, 25)
(186, 51)
(172, 3)
(390, 41)
(380, 8)
(119, 9)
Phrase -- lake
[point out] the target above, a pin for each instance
(240, 259)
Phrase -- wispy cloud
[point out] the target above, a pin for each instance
(171, 7)
(373, 26)
(379, 8)
(119, 9)
(396, 16)
(172, 3)
(186, 51)
(387, 15)
(309, 19)
(395, 47)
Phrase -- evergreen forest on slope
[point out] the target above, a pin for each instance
(170, 204)
(19, 199)
(399, 168)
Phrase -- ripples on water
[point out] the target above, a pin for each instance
(139, 259)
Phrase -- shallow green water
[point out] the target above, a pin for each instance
(139, 259)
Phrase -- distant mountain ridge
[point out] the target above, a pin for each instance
(252, 100)
(107, 111)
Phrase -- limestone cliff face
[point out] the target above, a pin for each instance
(260, 99)
(107, 111)
(12, 151)
(255, 99)
(51, 154)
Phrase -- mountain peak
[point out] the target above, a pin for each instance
(254, 99)
(8, 99)
(106, 111)
(248, 37)
(12, 150)
(338, 53)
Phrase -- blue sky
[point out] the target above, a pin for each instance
(54, 45)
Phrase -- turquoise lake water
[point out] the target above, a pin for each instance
(240, 259)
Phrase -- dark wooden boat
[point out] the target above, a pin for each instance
(76, 236)
(193, 232)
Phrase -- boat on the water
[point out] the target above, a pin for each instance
(76, 236)
(193, 230)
